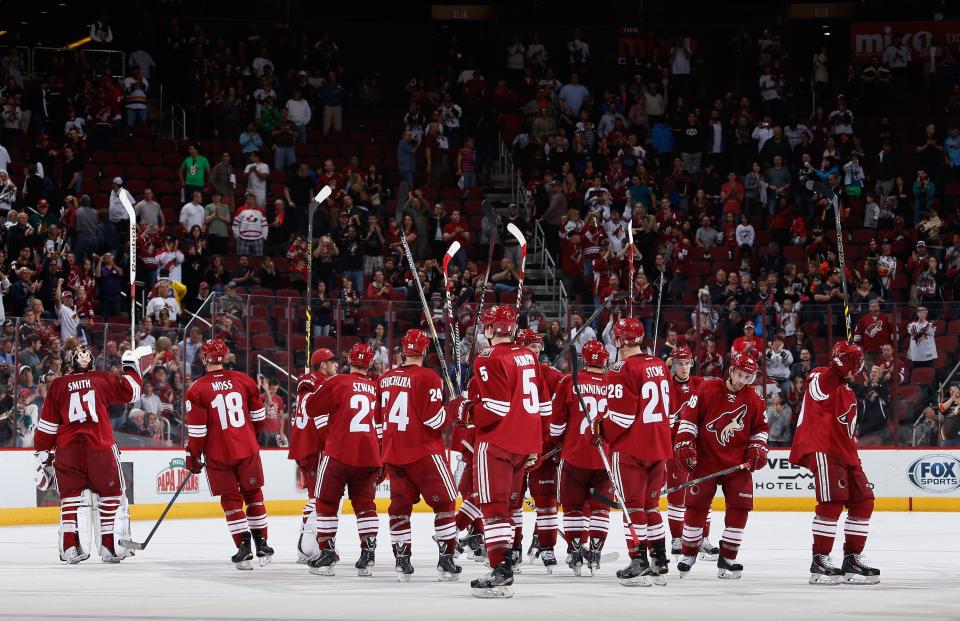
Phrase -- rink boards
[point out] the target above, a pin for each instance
(903, 479)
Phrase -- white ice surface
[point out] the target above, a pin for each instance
(185, 574)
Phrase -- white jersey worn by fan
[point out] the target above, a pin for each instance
(922, 347)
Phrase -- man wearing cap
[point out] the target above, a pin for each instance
(66, 312)
(749, 343)
(116, 212)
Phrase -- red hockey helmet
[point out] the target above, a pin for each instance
(682, 352)
(527, 337)
(415, 343)
(360, 356)
(846, 358)
(82, 359)
(321, 355)
(503, 320)
(214, 351)
(745, 363)
(595, 354)
(629, 330)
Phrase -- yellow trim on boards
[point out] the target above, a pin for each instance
(51, 515)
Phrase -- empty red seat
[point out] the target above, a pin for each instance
(922, 376)
(262, 342)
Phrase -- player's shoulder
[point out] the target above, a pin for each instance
(484, 352)
(618, 366)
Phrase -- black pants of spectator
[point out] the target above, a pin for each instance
(217, 244)
(551, 235)
(111, 305)
(924, 363)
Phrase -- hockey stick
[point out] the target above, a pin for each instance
(630, 268)
(616, 297)
(491, 219)
(133, 545)
(554, 451)
(656, 323)
(676, 488)
(513, 230)
(132, 217)
(321, 196)
(825, 191)
(448, 307)
(444, 372)
(618, 493)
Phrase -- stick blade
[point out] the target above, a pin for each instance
(515, 231)
(451, 252)
(323, 194)
(128, 207)
(131, 545)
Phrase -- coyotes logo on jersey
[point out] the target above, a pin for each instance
(849, 419)
(874, 328)
(727, 424)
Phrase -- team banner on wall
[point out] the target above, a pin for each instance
(868, 39)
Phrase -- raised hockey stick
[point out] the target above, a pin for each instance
(513, 230)
(321, 196)
(491, 219)
(133, 545)
(618, 493)
(616, 297)
(656, 322)
(132, 218)
(676, 488)
(824, 191)
(444, 372)
(630, 268)
(448, 307)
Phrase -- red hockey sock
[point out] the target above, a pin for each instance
(445, 529)
(367, 524)
(693, 521)
(498, 539)
(236, 519)
(256, 511)
(70, 502)
(855, 531)
(735, 520)
(825, 526)
(308, 510)
(575, 526)
(517, 528)
(675, 518)
(469, 513)
(547, 524)
(400, 534)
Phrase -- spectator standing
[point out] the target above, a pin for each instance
(333, 96)
(192, 213)
(407, 157)
(250, 228)
(572, 95)
(193, 172)
(299, 113)
(149, 211)
(950, 429)
(780, 419)
(116, 211)
(251, 140)
(170, 259)
(135, 89)
(285, 134)
(257, 173)
(779, 361)
(223, 179)
(922, 350)
(217, 222)
(111, 285)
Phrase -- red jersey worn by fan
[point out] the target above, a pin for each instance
(723, 424)
(828, 419)
(639, 408)
(873, 332)
(571, 425)
(411, 403)
(224, 410)
(356, 428)
(76, 407)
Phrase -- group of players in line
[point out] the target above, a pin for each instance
(619, 431)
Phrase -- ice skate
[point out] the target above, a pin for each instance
(473, 541)
(264, 551)
(448, 569)
(575, 557)
(637, 573)
(708, 551)
(324, 563)
(367, 557)
(109, 552)
(660, 565)
(74, 554)
(685, 565)
(533, 551)
(307, 548)
(243, 559)
(516, 558)
(728, 570)
(495, 585)
(856, 571)
(549, 559)
(594, 555)
(403, 566)
(823, 571)
(676, 547)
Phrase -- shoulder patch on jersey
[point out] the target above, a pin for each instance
(617, 365)
(485, 351)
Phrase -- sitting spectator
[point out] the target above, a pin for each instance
(950, 430)
(506, 280)
(711, 361)
(148, 402)
(922, 351)
(803, 366)
(163, 298)
(780, 419)
(379, 289)
(749, 342)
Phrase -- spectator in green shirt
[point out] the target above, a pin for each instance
(218, 219)
(269, 117)
(194, 171)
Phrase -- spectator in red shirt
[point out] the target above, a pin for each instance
(379, 288)
(732, 194)
(271, 434)
(873, 331)
(711, 361)
(749, 342)
(457, 230)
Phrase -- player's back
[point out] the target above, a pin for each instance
(304, 437)
(346, 410)
(411, 404)
(573, 423)
(223, 407)
(512, 398)
(828, 419)
(638, 400)
(724, 422)
(76, 407)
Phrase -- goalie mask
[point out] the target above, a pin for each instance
(82, 359)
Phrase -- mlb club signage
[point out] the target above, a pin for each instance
(869, 39)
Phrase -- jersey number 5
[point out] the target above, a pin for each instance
(230, 409)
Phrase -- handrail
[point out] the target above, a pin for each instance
(176, 110)
(272, 364)
(96, 54)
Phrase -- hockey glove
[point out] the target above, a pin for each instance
(458, 409)
(531, 460)
(138, 360)
(756, 457)
(685, 454)
(44, 475)
(194, 465)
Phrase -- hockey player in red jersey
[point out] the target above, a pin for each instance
(637, 427)
(511, 401)
(464, 439)
(224, 412)
(825, 445)
(346, 412)
(411, 399)
(581, 468)
(683, 386)
(74, 444)
(723, 425)
(542, 480)
(305, 447)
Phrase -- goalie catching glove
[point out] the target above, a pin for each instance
(44, 474)
(138, 360)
